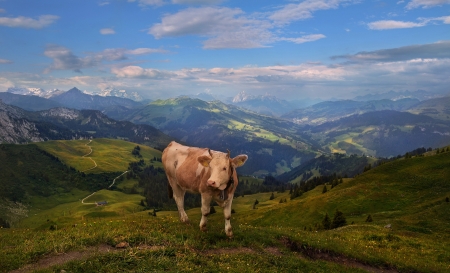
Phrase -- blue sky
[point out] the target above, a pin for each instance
(164, 48)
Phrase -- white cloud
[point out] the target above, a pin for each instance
(304, 10)
(196, 2)
(107, 31)
(144, 51)
(223, 27)
(4, 61)
(26, 22)
(426, 3)
(305, 38)
(143, 3)
(143, 73)
(392, 24)
(2, 10)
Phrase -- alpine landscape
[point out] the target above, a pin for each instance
(341, 107)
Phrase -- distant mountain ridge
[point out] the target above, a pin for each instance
(20, 126)
(334, 110)
(266, 105)
(75, 98)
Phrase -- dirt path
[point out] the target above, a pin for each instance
(95, 163)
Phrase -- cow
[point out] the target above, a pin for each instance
(212, 174)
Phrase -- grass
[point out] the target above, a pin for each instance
(275, 237)
(110, 155)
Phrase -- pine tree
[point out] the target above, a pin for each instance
(324, 189)
(369, 218)
(446, 199)
(272, 196)
(338, 220)
(326, 223)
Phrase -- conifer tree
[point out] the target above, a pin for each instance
(326, 223)
(338, 220)
(272, 196)
(324, 189)
(369, 218)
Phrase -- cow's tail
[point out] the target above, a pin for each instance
(169, 188)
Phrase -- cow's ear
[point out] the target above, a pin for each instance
(204, 160)
(239, 160)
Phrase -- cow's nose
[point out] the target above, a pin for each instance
(211, 183)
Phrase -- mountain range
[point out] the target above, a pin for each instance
(380, 128)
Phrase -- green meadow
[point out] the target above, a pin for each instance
(407, 200)
(110, 155)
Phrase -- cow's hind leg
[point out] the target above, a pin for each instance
(227, 216)
(178, 195)
(206, 207)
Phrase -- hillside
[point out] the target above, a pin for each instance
(273, 145)
(326, 165)
(382, 133)
(99, 125)
(110, 155)
(48, 174)
(405, 198)
(329, 111)
(438, 108)
(20, 126)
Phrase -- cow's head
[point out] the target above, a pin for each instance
(222, 167)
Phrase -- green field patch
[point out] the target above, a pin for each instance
(110, 155)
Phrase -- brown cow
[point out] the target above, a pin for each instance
(200, 170)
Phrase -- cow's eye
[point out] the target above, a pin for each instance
(224, 168)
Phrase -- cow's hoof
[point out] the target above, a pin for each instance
(204, 228)
(229, 233)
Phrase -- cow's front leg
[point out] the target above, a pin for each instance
(178, 195)
(206, 207)
(227, 215)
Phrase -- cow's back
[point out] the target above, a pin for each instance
(182, 167)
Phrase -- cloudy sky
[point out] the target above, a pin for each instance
(292, 49)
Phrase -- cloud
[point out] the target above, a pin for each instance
(144, 51)
(2, 10)
(4, 61)
(426, 3)
(197, 2)
(142, 73)
(439, 50)
(26, 22)
(65, 59)
(144, 3)
(223, 27)
(107, 31)
(304, 10)
(391, 24)
(304, 39)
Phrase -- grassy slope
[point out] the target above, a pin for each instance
(111, 155)
(409, 194)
